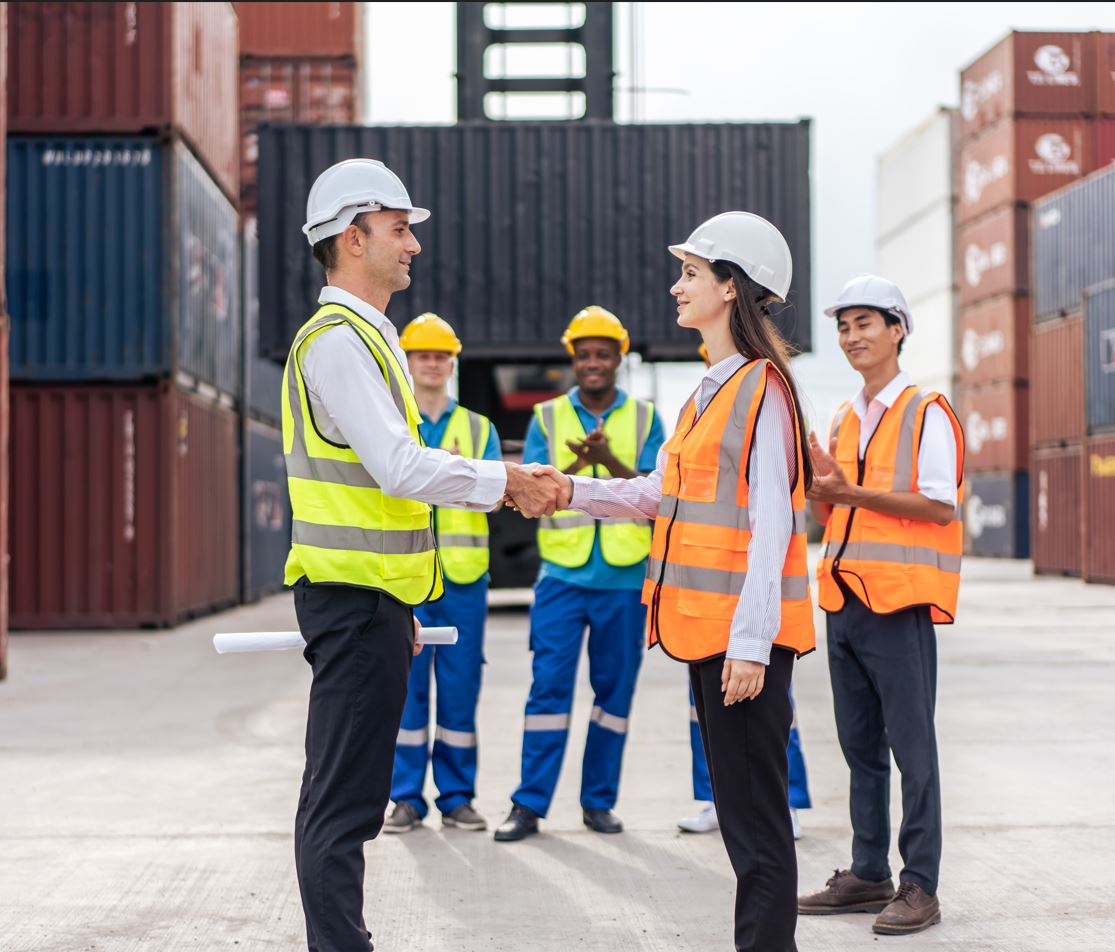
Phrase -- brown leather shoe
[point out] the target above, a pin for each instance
(846, 892)
(911, 910)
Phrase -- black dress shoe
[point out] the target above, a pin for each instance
(520, 824)
(603, 821)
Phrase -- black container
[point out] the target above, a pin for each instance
(265, 508)
(1099, 357)
(533, 221)
(997, 515)
(263, 377)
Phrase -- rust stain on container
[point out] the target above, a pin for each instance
(129, 68)
(1021, 160)
(993, 337)
(993, 255)
(1055, 511)
(1099, 510)
(1030, 74)
(148, 535)
(1057, 382)
(996, 427)
(1105, 74)
(299, 29)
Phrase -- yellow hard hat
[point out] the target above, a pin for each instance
(429, 332)
(595, 321)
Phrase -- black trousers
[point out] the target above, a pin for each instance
(745, 746)
(360, 645)
(884, 689)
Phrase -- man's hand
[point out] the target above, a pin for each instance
(594, 450)
(417, 643)
(535, 490)
(741, 680)
(830, 485)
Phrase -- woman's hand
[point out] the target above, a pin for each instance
(417, 632)
(741, 680)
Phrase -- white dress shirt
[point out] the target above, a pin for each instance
(758, 615)
(352, 405)
(937, 452)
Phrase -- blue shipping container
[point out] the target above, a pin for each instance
(265, 507)
(122, 263)
(997, 515)
(263, 377)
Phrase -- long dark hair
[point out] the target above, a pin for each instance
(755, 335)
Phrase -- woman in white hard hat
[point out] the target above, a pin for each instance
(727, 583)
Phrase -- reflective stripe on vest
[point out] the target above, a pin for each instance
(891, 563)
(566, 537)
(698, 562)
(462, 535)
(345, 529)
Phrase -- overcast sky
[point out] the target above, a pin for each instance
(865, 73)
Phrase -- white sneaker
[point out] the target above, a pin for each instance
(795, 824)
(703, 822)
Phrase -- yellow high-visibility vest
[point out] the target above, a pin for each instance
(462, 536)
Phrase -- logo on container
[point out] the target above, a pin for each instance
(977, 177)
(978, 261)
(129, 475)
(975, 93)
(1043, 501)
(1049, 217)
(1053, 68)
(975, 348)
(1107, 351)
(983, 516)
(1054, 156)
(1102, 467)
(980, 431)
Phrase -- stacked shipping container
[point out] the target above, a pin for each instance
(3, 359)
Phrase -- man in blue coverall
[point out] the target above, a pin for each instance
(431, 347)
(592, 576)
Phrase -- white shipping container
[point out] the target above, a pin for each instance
(916, 173)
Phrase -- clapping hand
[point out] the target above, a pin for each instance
(830, 485)
(594, 450)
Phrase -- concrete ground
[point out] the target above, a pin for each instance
(148, 787)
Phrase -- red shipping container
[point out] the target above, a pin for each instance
(993, 255)
(124, 506)
(1055, 541)
(1028, 74)
(129, 68)
(1020, 160)
(1057, 382)
(1099, 510)
(996, 427)
(1105, 142)
(1105, 74)
(994, 341)
(300, 29)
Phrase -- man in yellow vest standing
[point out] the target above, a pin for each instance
(592, 576)
(432, 348)
(889, 490)
(362, 553)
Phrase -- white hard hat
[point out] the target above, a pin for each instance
(747, 240)
(869, 290)
(349, 188)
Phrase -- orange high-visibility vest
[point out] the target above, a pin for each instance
(698, 556)
(888, 562)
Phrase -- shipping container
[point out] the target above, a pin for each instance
(1105, 74)
(994, 341)
(4, 334)
(1055, 515)
(1104, 135)
(993, 255)
(1074, 243)
(1020, 160)
(1099, 341)
(85, 68)
(1028, 74)
(122, 263)
(996, 427)
(533, 221)
(265, 510)
(997, 515)
(124, 506)
(1056, 382)
(263, 377)
(1099, 510)
(300, 29)
(915, 174)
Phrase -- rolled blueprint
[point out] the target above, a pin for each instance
(229, 642)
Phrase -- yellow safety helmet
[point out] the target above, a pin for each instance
(429, 332)
(595, 321)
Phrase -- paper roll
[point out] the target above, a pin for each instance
(229, 642)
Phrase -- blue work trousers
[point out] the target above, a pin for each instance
(615, 622)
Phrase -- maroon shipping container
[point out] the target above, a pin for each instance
(1099, 510)
(124, 506)
(129, 68)
(996, 427)
(1105, 74)
(994, 341)
(1029, 74)
(1055, 540)
(1019, 160)
(1057, 382)
(1104, 136)
(300, 29)
(993, 255)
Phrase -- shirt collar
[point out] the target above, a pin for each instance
(887, 396)
(332, 295)
(620, 400)
(449, 408)
(726, 367)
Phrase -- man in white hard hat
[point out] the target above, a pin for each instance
(363, 553)
(889, 490)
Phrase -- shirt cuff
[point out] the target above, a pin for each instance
(491, 483)
(580, 491)
(749, 649)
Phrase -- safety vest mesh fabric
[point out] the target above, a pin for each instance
(566, 538)
(698, 560)
(888, 562)
(345, 528)
(462, 536)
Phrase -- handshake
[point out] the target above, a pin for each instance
(537, 490)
